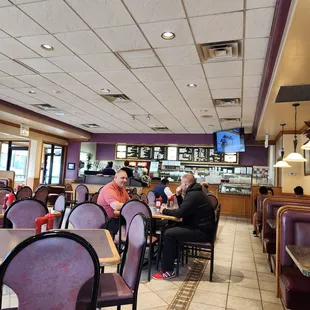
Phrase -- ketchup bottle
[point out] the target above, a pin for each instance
(158, 202)
(5, 200)
(40, 221)
(11, 199)
(170, 202)
(50, 221)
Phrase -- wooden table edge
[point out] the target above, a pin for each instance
(303, 271)
(115, 259)
(158, 216)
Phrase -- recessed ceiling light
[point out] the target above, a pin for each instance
(105, 90)
(148, 117)
(56, 92)
(191, 85)
(47, 47)
(168, 35)
(133, 118)
(60, 113)
(32, 92)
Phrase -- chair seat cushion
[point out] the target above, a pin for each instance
(295, 288)
(270, 245)
(198, 244)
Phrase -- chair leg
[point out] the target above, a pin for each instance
(134, 305)
(102, 269)
(119, 307)
(186, 256)
(150, 261)
(178, 260)
(211, 264)
(159, 245)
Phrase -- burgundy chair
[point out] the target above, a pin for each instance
(143, 197)
(4, 182)
(294, 229)
(116, 289)
(24, 192)
(81, 193)
(94, 198)
(41, 193)
(87, 215)
(213, 200)
(23, 213)
(60, 205)
(151, 197)
(135, 196)
(259, 203)
(47, 271)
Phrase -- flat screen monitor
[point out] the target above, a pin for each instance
(229, 141)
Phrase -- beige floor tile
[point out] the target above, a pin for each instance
(220, 269)
(261, 261)
(237, 303)
(243, 273)
(251, 283)
(260, 256)
(244, 266)
(243, 255)
(266, 277)
(144, 289)
(159, 285)
(167, 295)
(268, 306)
(270, 297)
(239, 291)
(267, 286)
(221, 278)
(263, 268)
(216, 287)
(213, 299)
(222, 263)
(198, 306)
(149, 300)
(249, 260)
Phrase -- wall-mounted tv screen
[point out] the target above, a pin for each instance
(229, 141)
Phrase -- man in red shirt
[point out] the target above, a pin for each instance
(112, 197)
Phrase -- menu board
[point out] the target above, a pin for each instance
(200, 154)
(172, 153)
(121, 151)
(159, 152)
(145, 152)
(132, 151)
(215, 157)
(185, 154)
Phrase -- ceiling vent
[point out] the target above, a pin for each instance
(229, 120)
(91, 125)
(160, 129)
(221, 51)
(26, 66)
(119, 98)
(45, 107)
(233, 102)
(296, 93)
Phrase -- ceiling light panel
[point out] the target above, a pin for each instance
(123, 38)
(186, 72)
(14, 49)
(13, 68)
(70, 64)
(223, 69)
(252, 81)
(55, 16)
(41, 65)
(225, 82)
(151, 74)
(216, 28)
(140, 59)
(152, 11)
(255, 48)
(179, 27)
(208, 7)
(254, 66)
(103, 62)
(254, 4)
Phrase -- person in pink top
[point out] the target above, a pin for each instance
(112, 197)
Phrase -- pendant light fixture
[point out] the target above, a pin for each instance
(281, 163)
(306, 146)
(295, 157)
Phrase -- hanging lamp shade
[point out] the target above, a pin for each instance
(306, 146)
(281, 163)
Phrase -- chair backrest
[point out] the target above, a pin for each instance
(143, 197)
(151, 197)
(87, 215)
(3, 192)
(60, 205)
(134, 191)
(68, 187)
(94, 198)
(132, 261)
(23, 213)
(24, 192)
(47, 271)
(81, 192)
(4, 182)
(259, 202)
(217, 219)
(135, 196)
(213, 200)
(41, 193)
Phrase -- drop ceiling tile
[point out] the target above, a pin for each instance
(35, 42)
(254, 66)
(226, 93)
(179, 27)
(153, 108)
(203, 103)
(70, 64)
(102, 13)
(249, 102)
(258, 22)
(17, 2)
(151, 74)
(14, 49)
(4, 3)
(180, 55)
(140, 59)
(186, 72)
(80, 90)
(2, 57)
(119, 76)
(98, 88)
(61, 78)
(252, 81)
(145, 11)
(123, 38)
(208, 7)
(225, 82)
(89, 78)
(41, 65)
(254, 4)
(201, 85)
(35, 80)
(229, 112)
(230, 125)
(251, 92)
(216, 28)
(223, 69)
(255, 48)
(3, 35)
(13, 68)
(195, 130)
(3, 74)
(54, 15)
(12, 82)
(103, 62)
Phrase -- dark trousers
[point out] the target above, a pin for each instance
(172, 237)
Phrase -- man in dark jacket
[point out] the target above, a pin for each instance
(197, 225)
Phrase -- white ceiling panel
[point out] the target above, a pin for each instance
(70, 64)
(16, 23)
(106, 85)
(229, 112)
(252, 81)
(249, 101)
(80, 90)
(12, 82)
(35, 42)
(102, 13)
(151, 74)
(216, 28)
(137, 92)
(83, 42)
(250, 92)
(89, 78)
(41, 65)
(226, 93)
(3, 35)
(145, 11)
(123, 38)
(4, 3)
(202, 103)
(119, 77)
(254, 66)
(223, 69)
(35, 80)
(14, 49)
(3, 74)
(230, 125)
(201, 85)
(208, 7)
(179, 55)
(179, 27)
(61, 78)
(54, 15)
(195, 130)
(225, 82)
(2, 57)
(13, 68)
(254, 4)
(103, 62)
(140, 59)
(153, 108)
(186, 72)
(23, 1)
(258, 22)
(255, 48)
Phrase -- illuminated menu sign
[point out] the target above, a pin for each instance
(185, 154)
(159, 152)
(172, 153)
(200, 154)
(145, 152)
(132, 151)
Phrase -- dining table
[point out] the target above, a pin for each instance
(301, 257)
(100, 239)
(272, 223)
(50, 210)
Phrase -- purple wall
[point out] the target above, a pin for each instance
(254, 156)
(73, 156)
(105, 151)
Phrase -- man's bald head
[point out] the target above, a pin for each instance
(187, 180)
(121, 177)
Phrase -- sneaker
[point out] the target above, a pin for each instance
(164, 275)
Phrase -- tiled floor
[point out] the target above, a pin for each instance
(241, 278)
